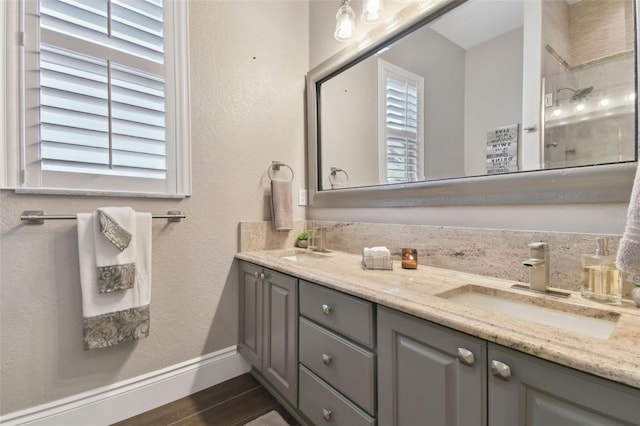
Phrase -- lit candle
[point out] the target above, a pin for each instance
(409, 258)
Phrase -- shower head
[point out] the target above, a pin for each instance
(578, 94)
(581, 93)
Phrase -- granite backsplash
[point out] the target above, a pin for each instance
(490, 252)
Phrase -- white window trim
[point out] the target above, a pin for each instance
(385, 67)
(12, 142)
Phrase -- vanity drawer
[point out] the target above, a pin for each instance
(323, 405)
(345, 314)
(347, 367)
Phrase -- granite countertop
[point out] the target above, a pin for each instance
(416, 292)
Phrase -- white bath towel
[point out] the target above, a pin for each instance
(119, 316)
(628, 259)
(115, 248)
(281, 205)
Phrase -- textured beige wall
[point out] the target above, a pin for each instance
(248, 61)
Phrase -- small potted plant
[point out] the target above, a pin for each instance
(302, 240)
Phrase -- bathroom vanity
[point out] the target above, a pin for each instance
(342, 345)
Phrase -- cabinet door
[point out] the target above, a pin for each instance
(421, 378)
(250, 332)
(534, 392)
(280, 360)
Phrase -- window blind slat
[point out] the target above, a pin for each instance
(71, 135)
(129, 128)
(138, 160)
(74, 119)
(137, 144)
(97, 169)
(73, 102)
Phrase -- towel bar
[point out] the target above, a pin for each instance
(275, 166)
(37, 217)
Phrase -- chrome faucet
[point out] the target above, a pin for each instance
(539, 266)
(318, 238)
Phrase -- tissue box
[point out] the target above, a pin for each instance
(376, 258)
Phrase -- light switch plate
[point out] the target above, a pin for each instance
(302, 197)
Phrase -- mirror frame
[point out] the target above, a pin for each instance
(609, 183)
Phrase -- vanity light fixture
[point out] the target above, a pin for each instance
(345, 22)
(371, 11)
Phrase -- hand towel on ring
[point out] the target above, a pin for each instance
(281, 205)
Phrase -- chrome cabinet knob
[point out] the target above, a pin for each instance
(256, 274)
(262, 275)
(326, 309)
(466, 357)
(326, 414)
(326, 359)
(500, 370)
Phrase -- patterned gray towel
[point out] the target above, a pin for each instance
(115, 248)
(114, 317)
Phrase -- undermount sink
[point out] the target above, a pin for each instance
(579, 319)
(302, 255)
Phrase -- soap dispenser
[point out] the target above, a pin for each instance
(601, 280)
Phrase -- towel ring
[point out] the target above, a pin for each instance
(275, 167)
(334, 172)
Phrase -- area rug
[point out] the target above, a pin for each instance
(272, 418)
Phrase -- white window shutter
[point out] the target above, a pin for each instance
(103, 78)
(401, 144)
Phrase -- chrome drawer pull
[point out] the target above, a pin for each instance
(326, 309)
(326, 414)
(326, 359)
(466, 357)
(500, 370)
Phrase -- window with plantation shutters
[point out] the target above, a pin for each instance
(102, 97)
(401, 141)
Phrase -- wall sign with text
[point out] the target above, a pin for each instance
(502, 149)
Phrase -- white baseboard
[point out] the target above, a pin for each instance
(119, 401)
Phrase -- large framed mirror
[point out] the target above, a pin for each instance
(479, 102)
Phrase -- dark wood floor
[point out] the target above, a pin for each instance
(234, 402)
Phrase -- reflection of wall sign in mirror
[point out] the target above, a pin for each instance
(502, 149)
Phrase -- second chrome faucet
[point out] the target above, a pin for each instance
(539, 268)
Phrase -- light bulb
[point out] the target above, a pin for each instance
(371, 11)
(557, 112)
(603, 102)
(345, 22)
(579, 107)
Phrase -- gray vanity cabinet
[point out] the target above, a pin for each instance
(269, 326)
(337, 357)
(525, 390)
(428, 374)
